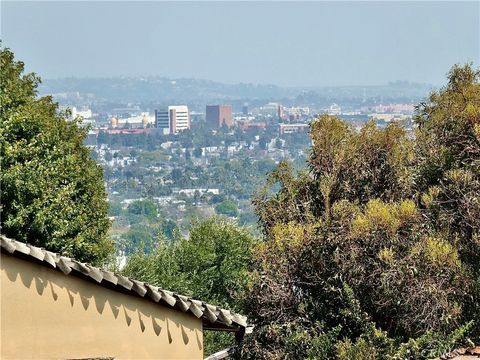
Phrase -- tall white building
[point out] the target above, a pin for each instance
(173, 119)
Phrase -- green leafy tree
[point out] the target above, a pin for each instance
(144, 208)
(115, 208)
(170, 229)
(210, 265)
(52, 190)
(197, 152)
(108, 156)
(227, 207)
(188, 155)
(139, 236)
(176, 175)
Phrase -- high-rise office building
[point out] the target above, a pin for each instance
(217, 115)
(173, 119)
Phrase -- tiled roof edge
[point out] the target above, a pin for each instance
(209, 313)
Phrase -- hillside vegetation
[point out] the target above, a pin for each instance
(372, 252)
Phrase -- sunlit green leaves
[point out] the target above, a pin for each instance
(52, 191)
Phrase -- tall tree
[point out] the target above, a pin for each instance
(53, 193)
(448, 172)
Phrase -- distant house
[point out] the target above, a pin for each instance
(293, 128)
(54, 307)
(200, 191)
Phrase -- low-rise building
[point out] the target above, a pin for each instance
(246, 125)
(292, 128)
(191, 192)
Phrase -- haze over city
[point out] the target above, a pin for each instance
(281, 43)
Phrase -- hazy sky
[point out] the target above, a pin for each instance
(283, 43)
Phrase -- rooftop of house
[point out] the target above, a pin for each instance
(213, 317)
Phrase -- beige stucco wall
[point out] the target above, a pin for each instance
(48, 315)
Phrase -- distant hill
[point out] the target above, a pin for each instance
(162, 91)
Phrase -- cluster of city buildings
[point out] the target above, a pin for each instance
(174, 119)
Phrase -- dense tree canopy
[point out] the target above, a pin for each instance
(372, 252)
(146, 208)
(210, 265)
(52, 191)
(227, 207)
(448, 172)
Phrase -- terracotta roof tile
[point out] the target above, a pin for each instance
(210, 314)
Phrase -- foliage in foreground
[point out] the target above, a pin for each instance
(210, 265)
(52, 191)
(372, 252)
